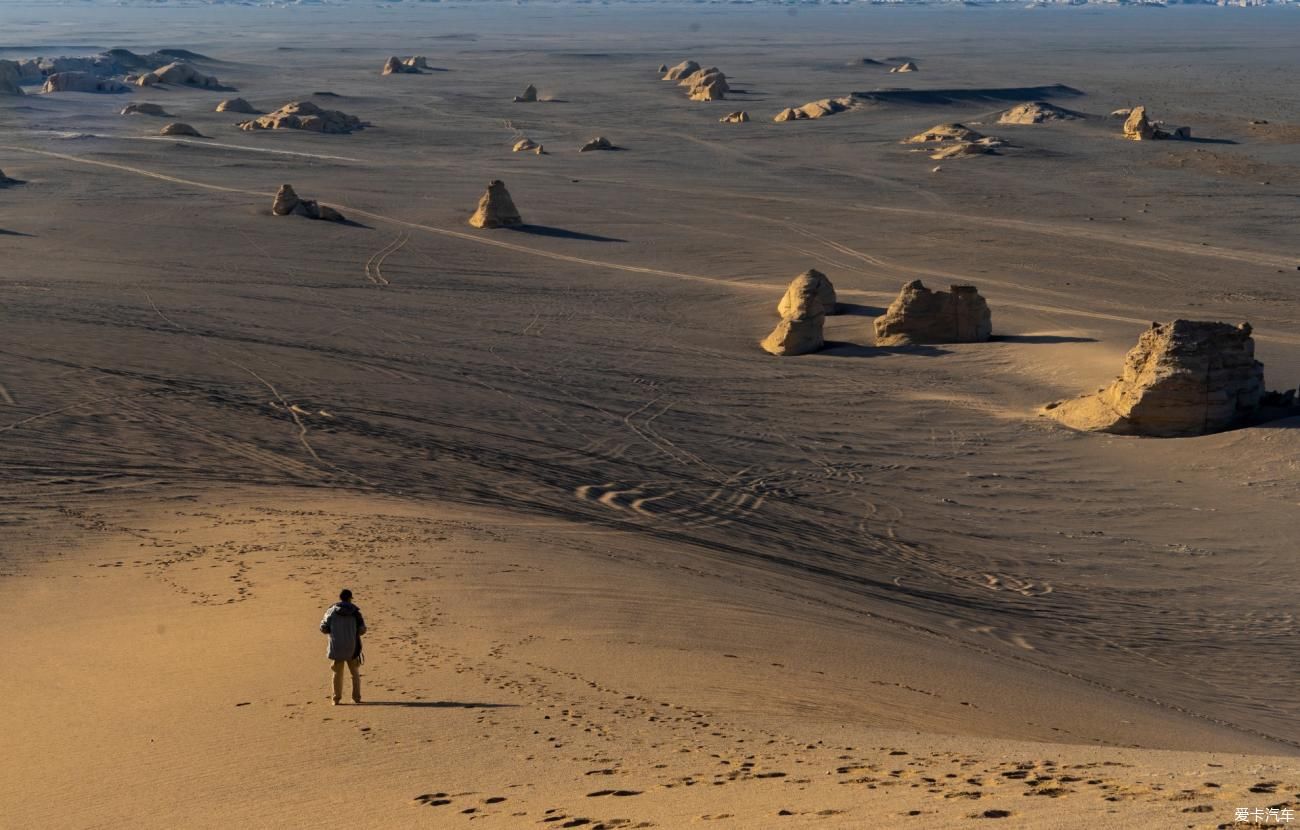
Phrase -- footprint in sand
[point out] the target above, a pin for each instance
(622, 793)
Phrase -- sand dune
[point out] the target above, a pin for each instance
(622, 567)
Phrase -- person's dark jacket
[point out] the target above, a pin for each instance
(344, 625)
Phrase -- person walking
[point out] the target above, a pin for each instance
(344, 625)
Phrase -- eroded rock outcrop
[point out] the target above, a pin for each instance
(5, 181)
(527, 145)
(11, 79)
(395, 66)
(906, 66)
(1036, 112)
(304, 115)
(919, 315)
(597, 143)
(238, 105)
(801, 331)
(943, 133)
(965, 149)
(529, 96)
(1138, 128)
(145, 109)
(82, 82)
(287, 203)
(681, 70)
(706, 85)
(1182, 378)
(496, 209)
(178, 73)
(815, 109)
(180, 128)
(808, 286)
(740, 117)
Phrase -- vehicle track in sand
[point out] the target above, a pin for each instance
(1185, 248)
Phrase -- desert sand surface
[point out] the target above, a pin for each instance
(621, 567)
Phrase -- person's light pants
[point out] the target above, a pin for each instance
(354, 666)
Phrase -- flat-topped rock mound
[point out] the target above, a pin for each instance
(944, 132)
(1036, 112)
(288, 203)
(237, 105)
(304, 115)
(178, 73)
(811, 284)
(82, 82)
(529, 95)
(1182, 378)
(1137, 127)
(145, 109)
(180, 128)
(496, 209)
(919, 315)
(681, 70)
(110, 63)
(815, 109)
(11, 79)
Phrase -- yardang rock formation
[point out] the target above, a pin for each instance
(82, 82)
(815, 109)
(681, 70)
(597, 143)
(919, 315)
(238, 105)
(1036, 112)
(740, 117)
(180, 128)
(706, 85)
(944, 132)
(496, 209)
(304, 115)
(144, 109)
(1138, 128)
(180, 74)
(803, 318)
(11, 79)
(529, 96)
(1182, 378)
(811, 283)
(287, 203)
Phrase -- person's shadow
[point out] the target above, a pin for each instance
(438, 704)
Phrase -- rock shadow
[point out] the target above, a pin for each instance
(562, 233)
(948, 97)
(1039, 338)
(438, 704)
(856, 310)
(840, 349)
(1195, 140)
